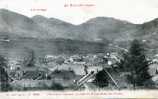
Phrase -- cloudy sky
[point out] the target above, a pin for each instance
(135, 11)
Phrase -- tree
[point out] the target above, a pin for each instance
(32, 59)
(101, 79)
(134, 62)
(123, 63)
(4, 78)
(29, 60)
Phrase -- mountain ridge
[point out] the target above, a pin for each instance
(99, 29)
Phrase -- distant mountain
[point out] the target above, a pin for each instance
(96, 29)
(20, 25)
(148, 32)
(55, 28)
(101, 30)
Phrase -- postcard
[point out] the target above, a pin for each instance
(72, 49)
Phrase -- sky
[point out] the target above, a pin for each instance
(135, 11)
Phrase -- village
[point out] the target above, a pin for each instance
(69, 72)
(51, 69)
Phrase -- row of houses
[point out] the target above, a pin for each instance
(83, 59)
(27, 73)
(20, 73)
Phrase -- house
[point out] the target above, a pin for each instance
(153, 69)
(30, 73)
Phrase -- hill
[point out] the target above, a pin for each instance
(100, 30)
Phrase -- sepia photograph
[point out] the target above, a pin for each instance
(86, 45)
